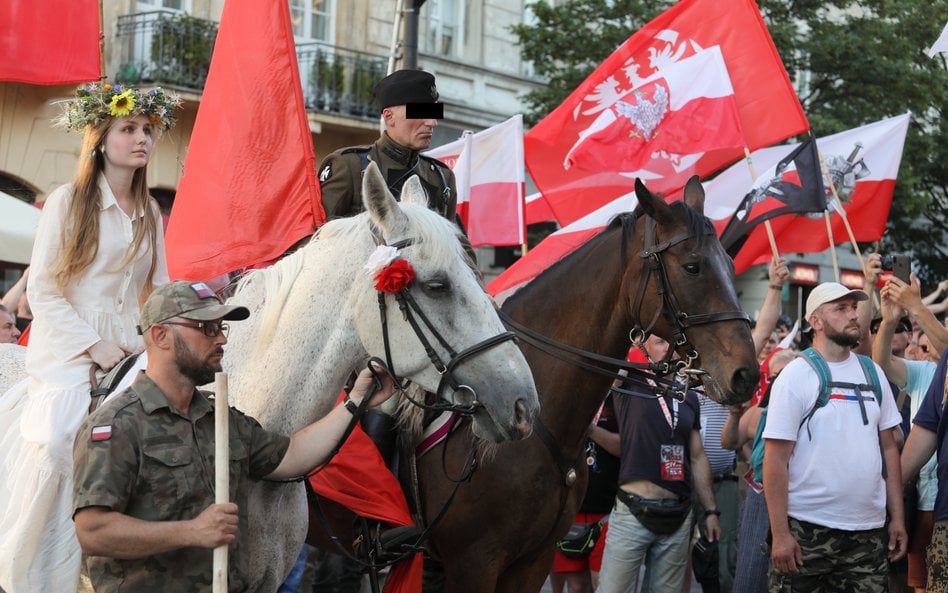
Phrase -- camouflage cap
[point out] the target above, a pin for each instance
(191, 300)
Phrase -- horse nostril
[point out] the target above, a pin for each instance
(745, 381)
(522, 417)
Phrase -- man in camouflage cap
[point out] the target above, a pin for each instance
(408, 103)
(143, 497)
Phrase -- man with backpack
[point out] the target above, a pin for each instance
(831, 464)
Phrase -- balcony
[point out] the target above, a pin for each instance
(338, 80)
(164, 48)
(175, 50)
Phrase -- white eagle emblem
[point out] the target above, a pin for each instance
(644, 114)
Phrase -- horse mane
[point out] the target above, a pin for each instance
(440, 238)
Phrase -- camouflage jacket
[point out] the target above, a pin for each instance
(340, 177)
(141, 457)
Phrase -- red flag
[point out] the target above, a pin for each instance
(864, 163)
(536, 209)
(557, 246)
(50, 42)
(358, 479)
(488, 168)
(249, 188)
(769, 110)
(684, 109)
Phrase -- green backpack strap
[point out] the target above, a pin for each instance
(826, 384)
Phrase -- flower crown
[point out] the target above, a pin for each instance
(95, 102)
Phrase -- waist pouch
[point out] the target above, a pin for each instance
(661, 516)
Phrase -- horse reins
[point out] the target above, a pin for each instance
(416, 318)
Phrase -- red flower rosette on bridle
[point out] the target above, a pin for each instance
(395, 277)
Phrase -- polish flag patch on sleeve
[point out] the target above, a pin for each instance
(102, 432)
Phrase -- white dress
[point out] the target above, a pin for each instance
(39, 418)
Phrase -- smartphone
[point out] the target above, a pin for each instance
(901, 266)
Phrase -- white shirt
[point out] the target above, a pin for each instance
(835, 478)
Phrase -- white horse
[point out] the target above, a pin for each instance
(315, 316)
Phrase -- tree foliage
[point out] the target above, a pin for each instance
(854, 61)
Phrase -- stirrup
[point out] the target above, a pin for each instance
(387, 545)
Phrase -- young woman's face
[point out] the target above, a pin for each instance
(128, 142)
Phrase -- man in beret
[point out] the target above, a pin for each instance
(408, 100)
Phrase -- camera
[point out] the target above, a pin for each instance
(899, 265)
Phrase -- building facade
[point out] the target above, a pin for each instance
(343, 47)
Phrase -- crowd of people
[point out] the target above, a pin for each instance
(842, 444)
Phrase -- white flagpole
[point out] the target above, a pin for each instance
(221, 472)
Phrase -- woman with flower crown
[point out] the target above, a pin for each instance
(98, 254)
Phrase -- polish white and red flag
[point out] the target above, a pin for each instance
(557, 246)
(863, 164)
(768, 108)
(488, 170)
(686, 109)
(536, 209)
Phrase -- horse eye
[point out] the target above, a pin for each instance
(692, 269)
(436, 286)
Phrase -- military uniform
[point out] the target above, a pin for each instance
(340, 177)
(141, 457)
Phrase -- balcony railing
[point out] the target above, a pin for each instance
(164, 48)
(175, 49)
(339, 80)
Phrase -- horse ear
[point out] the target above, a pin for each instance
(378, 201)
(694, 194)
(414, 193)
(653, 205)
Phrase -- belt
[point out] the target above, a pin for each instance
(725, 478)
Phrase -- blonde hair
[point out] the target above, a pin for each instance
(79, 241)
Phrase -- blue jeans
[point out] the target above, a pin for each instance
(629, 545)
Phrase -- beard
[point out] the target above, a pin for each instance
(841, 338)
(200, 372)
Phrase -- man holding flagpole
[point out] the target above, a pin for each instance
(143, 499)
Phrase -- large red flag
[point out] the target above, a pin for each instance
(863, 162)
(769, 110)
(686, 108)
(557, 246)
(488, 168)
(49, 42)
(249, 188)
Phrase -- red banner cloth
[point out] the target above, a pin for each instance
(863, 162)
(768, 108)
(358, 479)
(249, 188)
(49, 42)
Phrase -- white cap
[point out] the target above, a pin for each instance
(828, 292)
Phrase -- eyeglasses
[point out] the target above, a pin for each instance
(211, 329)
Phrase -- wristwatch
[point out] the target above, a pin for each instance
(710, 512)
(350, 405)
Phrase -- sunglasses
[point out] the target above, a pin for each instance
(211, 329)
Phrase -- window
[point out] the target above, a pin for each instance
(444, 27)
(311, 20)
(172, 5)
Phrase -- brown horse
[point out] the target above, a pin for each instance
(498, 531)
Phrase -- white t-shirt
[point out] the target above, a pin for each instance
(835, 477)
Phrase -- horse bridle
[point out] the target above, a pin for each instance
(681, 320)
(416, 318)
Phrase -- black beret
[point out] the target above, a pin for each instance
(406, 86)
